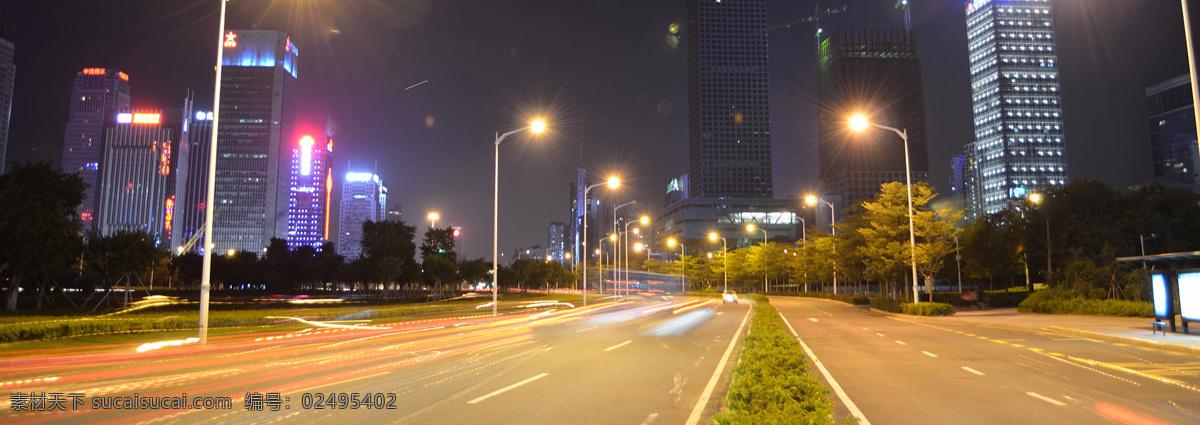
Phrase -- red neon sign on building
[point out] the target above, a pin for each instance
(123, 75)
(230, 40)
(94, 71)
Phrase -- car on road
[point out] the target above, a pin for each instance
(729, 297)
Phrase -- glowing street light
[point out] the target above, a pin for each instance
(616, 248)
(724, 248)
(433, 217)
(612, 183)
(1036, 198)
(537, 126)
(812, 201)
(860, 123)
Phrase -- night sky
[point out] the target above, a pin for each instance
(606, 74)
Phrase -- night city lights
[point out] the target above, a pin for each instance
(691, 212)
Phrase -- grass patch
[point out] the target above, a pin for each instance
(771, 383)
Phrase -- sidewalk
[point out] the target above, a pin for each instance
(1124, 330)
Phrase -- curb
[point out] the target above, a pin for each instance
(1058, 330)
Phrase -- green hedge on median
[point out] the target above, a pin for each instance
(1065, 302)
(771, 383)
(927, 309)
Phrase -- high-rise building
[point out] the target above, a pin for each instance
(580, 206)
(189, 207)
(254, 140)
(1019, 141)
(308, 202)
(677, 190)
(8, 74)
(139, 172)
(556, 248)
(97, 94)
(875, 72)
(729, 123)
(1173, 148)
(958, 181)
(364, 198)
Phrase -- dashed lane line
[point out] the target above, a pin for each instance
(929, 354)
(618, 345)
(502, 390)
(973, 371)
(1046, 399)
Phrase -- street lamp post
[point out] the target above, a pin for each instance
(682, 269)
(616, 247)
(433, 217)
(958, 262)
(537, 126)
(812, 201)
(1142, 239)
(750, 228)
(860, 123)
(612, 183)
(803, 237)
(644, 220)
(206, 268)
(724, 253)
(1037, 199)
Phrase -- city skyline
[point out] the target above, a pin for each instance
(627, 120)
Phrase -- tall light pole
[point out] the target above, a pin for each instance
(1037, 199)
(616, 244)
(682, 269)
(433, 217)
(644, 220)
(812, 200)
(804, 237)
(612, 183)
(537, 126)
(206, 269)
(860, 123)
(750, 228)
(724, 253)
(1142, 239)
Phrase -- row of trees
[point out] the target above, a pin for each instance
(1070, 239)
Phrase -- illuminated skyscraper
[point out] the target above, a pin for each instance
(254, 140)
(189, 207)
(98, 93)
(1019, 143)
(308, 202)
(1173, 131)
(557, 242)
(8, 73)
(139, 171)
(364, 198)
(729, 122)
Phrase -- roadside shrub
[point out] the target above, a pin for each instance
(772, 383)
(886, 304)
(927, 309)
(1066, 302)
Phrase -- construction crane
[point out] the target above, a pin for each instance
(196, 237)
(818, 13)
(907, 14)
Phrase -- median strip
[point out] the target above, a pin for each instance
(502, 390)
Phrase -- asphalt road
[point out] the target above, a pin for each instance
(646, 362)
(903, 371)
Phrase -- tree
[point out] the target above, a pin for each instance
(388, 252)
(992, 247)
(475, 271)
(438, 260)
(38, 225)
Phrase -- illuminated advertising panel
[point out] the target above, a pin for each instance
(306, 144)
(1189, 295)
(94, 71)
(230, 40)
(1162, 295)
(124, 118)
(146, 118)
(123, 75)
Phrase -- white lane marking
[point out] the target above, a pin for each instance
(865, 328)
(618, 345)
(814, 319)
(928, 354)
(694, 418)
(502, 390)
(586, 329)
(972, 371)
(650, 419)
(1046, 399)
(901, 342)
(837, 389)
(877, 333)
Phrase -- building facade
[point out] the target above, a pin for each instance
(308, 200)
(729, 122)
(139, 173)
(189, 207)
(364, 198)
(1172, 122)
(556, 248)
(96, 95)
(8, 75)
(254, 140)
(1019, 138)
(877, 73)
